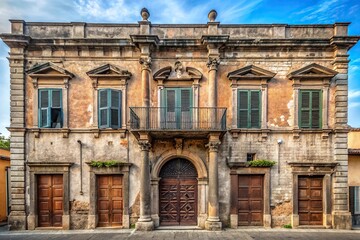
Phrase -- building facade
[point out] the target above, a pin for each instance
(157, 124)
(354, 179)
(4, 184)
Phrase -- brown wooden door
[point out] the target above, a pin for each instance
(50, 200)
(178, 193)
(178, 201)
(310, 200)
(250, 200)
(109, 200)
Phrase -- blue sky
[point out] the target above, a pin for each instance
(183, 11)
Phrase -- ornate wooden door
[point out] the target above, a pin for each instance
(50, 200)
(109, 200)
(310, 200)
(178, 193)
(250, 200)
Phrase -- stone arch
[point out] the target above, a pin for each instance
(171, 154)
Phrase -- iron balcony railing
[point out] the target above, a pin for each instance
(177, 118)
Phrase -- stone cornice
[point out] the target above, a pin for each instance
(145, 39)
(15, 40)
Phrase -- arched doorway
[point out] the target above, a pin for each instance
(178, 193)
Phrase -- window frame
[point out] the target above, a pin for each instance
(300, 108)
(356, 203)
(249, 108)
(109, 107)
(50, 99)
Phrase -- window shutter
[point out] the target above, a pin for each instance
(103, 109)
(185, 100)
(305, 109)
(115, 109)
(255, 109)
(243, 109)
(315, 107)
(44, 108)
(56, 111)
(170, 100)
(351, 199)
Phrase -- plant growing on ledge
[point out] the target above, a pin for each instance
(100, 164)
(261, 163)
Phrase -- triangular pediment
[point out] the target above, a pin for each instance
(48, 69)
(178, 73)
(312, 71)
(108, 70)
(250, 72)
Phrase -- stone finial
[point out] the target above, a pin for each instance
(212, 15)
(144, 14)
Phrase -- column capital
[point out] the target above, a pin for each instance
(144, 145)
(145, 63)
(213, 63)
(213, 146)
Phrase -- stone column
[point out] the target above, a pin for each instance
(145, 89)
(213, 220)
(17, 42)
(341, 216)
(212, 64)
(145, 222)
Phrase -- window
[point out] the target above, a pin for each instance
(250, 157)
(249, 108)
(50, 108)
(178, 108)
(109, 108)
(310, 109)
(357, 200)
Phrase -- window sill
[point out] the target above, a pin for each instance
(296, 132)
(66, 131)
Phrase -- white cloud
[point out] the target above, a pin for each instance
(354, 105)
(324, 11)
(354, 93)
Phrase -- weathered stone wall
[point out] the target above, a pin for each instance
(99, 44)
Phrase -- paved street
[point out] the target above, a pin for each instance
(246, 234)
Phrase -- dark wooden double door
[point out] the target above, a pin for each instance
(310, 194)
(109, 200)
(50, 200)
(250, 200)
(178, 193)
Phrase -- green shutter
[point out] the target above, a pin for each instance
(103, 108)
(243, 105)
(44, 108)
(178, 104)
(50, 108)
(310, 109)
(255, 109)
(249, 109)
(115, 111)
(110, 108)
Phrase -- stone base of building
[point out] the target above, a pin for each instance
(17, 222)
(213, 226)
(31, 221)
(342, 220)
(267, 220)
(144, 226)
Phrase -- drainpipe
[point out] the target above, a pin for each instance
(80, 145)
(279, 141)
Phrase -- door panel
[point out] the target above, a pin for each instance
(178, 193)
(50, 200)
(109, 200)
(178, 201)
(250, 200)
(310, 200)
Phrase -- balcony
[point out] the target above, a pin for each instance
(167, 122)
